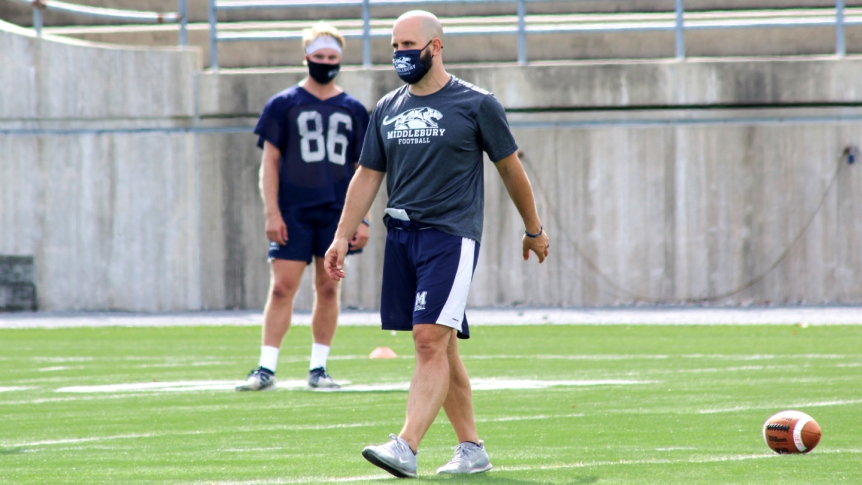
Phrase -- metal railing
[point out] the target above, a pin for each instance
(180, 16)
(679, 25)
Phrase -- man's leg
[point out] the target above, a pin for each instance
(285, 276)
(459, 401)
(430, 384)
(324, 319)
(324, 316)
(470, 455)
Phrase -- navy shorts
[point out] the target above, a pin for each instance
(310, 232)
(426, 277)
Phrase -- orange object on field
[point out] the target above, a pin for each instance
(382, 353)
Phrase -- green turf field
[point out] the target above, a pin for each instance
(572, 405)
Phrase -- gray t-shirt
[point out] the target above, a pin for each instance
(431, 150)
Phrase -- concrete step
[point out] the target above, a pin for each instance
(197, 9)
(544, 47)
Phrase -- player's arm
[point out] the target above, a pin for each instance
(518, 185)
(276, 229)
(363, 231)
(360, 195)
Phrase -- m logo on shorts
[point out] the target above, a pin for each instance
(420, 301)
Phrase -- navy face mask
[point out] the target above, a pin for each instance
(410, 65)
(322, 73)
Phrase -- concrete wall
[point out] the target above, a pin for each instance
(581, 86)
(658, 181)
(234, 266)
(681, 213)
(644, 204)
(110, 214)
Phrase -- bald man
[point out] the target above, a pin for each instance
(428, 139)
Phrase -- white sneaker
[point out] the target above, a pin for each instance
(469, 458)
(258, 380)
(395, 457)
(319, 379)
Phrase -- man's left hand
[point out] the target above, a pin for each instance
(538, 245)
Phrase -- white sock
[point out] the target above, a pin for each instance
(269, 357)
(319, 354)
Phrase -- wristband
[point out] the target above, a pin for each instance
(541, 230)
(365, 221)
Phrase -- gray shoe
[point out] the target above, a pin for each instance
(258, 379)
(319, 379)
(396, 457)
(469, 458)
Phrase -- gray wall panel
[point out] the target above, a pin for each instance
(124, 208)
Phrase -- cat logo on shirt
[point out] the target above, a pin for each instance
(415, 126)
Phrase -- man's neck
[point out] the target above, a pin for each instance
(434, 81)
(321, 91)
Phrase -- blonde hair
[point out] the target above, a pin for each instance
(319, 30)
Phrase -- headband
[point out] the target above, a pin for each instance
(322, 42)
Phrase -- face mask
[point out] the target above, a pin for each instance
(322, 73)
(410, 65)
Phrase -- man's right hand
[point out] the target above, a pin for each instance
(333, 262)
(276, 229)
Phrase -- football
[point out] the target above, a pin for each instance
(791, 432)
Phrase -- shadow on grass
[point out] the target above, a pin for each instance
(11, 451)
(585, 481)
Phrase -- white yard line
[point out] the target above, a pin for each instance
(478, 384)
(53, 400)
(60, 360)
(661, 461)
(59, 367)
(612, 357)
(180, 364)
(15, 388)
(538, 417)
(586, 357)
(799, 405)
(290, 481)
(646, 315)
(172, 386)
(259, 429)
(664, 461)
(504, 469)
(80, 440)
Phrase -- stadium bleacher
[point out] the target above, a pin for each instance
(546, 47)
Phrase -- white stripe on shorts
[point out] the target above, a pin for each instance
(452, 314)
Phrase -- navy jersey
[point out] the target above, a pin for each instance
(319, 141)
(431, 150)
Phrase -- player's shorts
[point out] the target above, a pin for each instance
(426, 277)
(310, 232)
